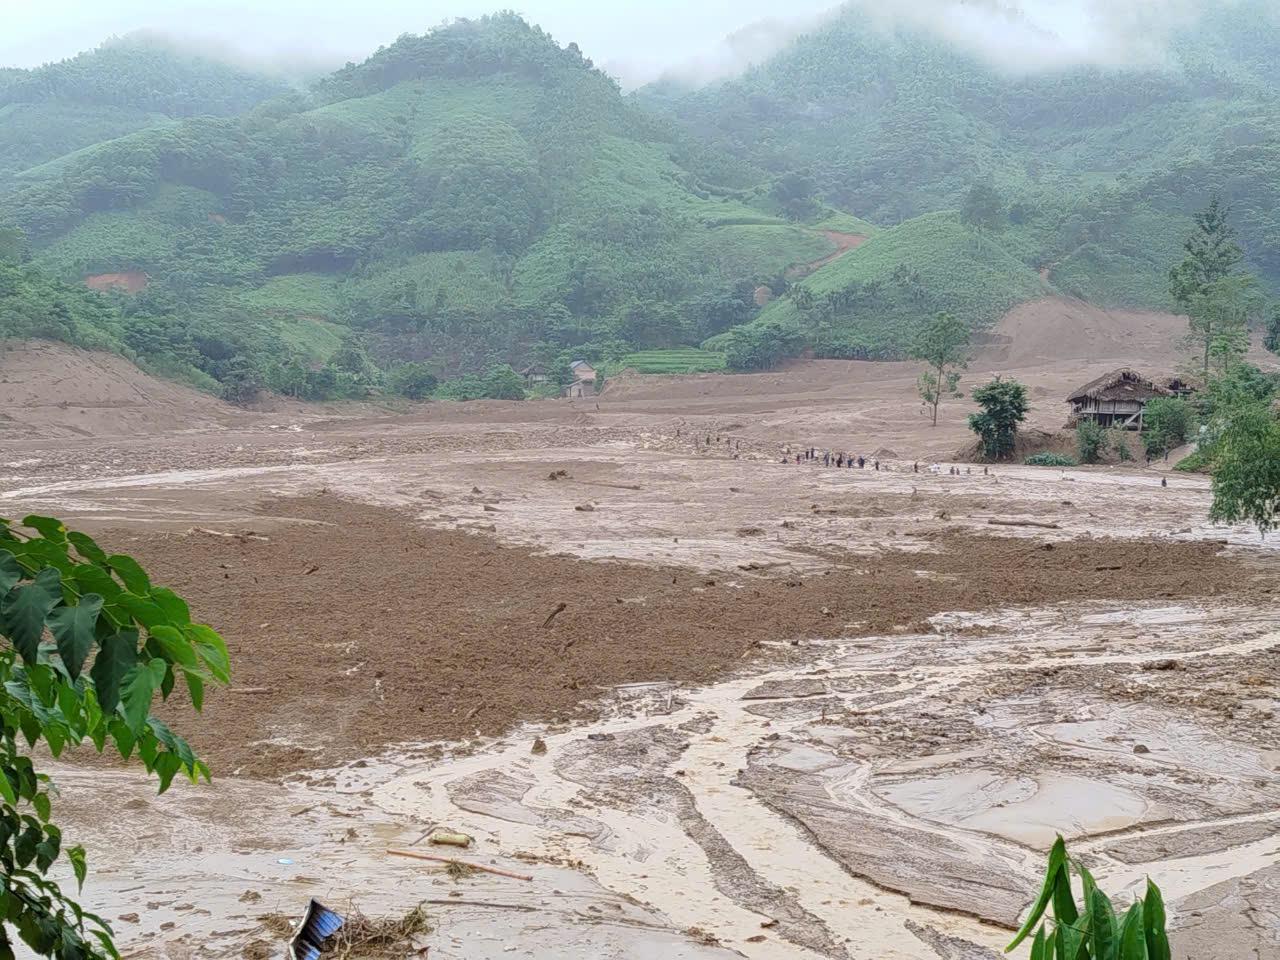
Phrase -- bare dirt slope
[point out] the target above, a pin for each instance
(54, 390)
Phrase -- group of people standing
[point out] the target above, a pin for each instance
(840, 460)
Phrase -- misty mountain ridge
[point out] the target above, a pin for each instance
(481, 194)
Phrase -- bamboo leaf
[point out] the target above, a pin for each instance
(1153, 923)
(1103, 933)
(1132, 944)
(1057, 861)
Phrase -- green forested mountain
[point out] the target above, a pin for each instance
(1085, 174)
(481, 196)
(471, 196)
(124, 85)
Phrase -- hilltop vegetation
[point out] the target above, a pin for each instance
(1096, 171)
(124, 85)
(480, 198)
(473, 196)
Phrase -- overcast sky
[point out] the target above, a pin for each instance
(635, 40)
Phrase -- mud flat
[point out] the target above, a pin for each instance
(713, 704)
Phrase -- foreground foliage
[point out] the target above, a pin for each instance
(1091, 930)
(88, 642)
(1049, 460)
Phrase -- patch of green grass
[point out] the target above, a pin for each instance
(843, 222)
(675, 360)
(950, 268)
(312, 294)
(1049, 460)
(763, 251)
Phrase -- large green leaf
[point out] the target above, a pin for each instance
(49, 528)
(212, 650)
(136, 691)
(117, 656)
(143, 609)
(10, 571)
(132, 575)
(76, 856)
(174, 606)
(73, 630)
(1153, 923)
(87, 548)
(177, 648)
(1131, 943)
(1070, 942)
(1103, 932)
(1064, 901)
(195, 687)
(94, 579)
(1057, 861)
(1038, 946)
(24, 608)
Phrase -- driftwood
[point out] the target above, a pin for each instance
(559, 607)
(1024, 523)
(462, 863)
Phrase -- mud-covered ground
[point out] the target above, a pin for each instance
(712, 704)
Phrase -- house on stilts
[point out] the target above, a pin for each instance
(1117, 399)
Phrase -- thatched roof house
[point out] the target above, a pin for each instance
(1115, 399)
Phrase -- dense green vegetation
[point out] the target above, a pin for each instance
(678, 360)
(86, 643)
(1088, 173)
(480, 197)
(124, 85)
(477, 196)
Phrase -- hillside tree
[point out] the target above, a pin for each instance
(1004, 406)
(86, 642)
(1207, 284)
(944, 346)
(983, 208)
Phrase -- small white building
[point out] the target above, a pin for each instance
(582, 370)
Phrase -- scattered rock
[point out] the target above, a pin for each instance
(1141, 748)
(250, 896)
(750, 532)
(128, 917)
(489, 509)
(585, 508)
(600, 737)
(539, 747)
(1160, 665)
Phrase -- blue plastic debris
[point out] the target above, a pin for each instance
(318, 924)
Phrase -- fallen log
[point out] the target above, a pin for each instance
(1024, 523)
(462, 863)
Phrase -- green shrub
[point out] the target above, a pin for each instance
(1090, 440)
(1049, 460)
(412, 380)
(1120, 444)
(1166, 423)
(1004, 405)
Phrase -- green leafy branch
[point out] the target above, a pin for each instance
(88, 644)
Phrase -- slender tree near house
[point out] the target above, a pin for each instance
(944, 346)
(1208, 285)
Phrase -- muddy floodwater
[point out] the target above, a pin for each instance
(711, 705)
